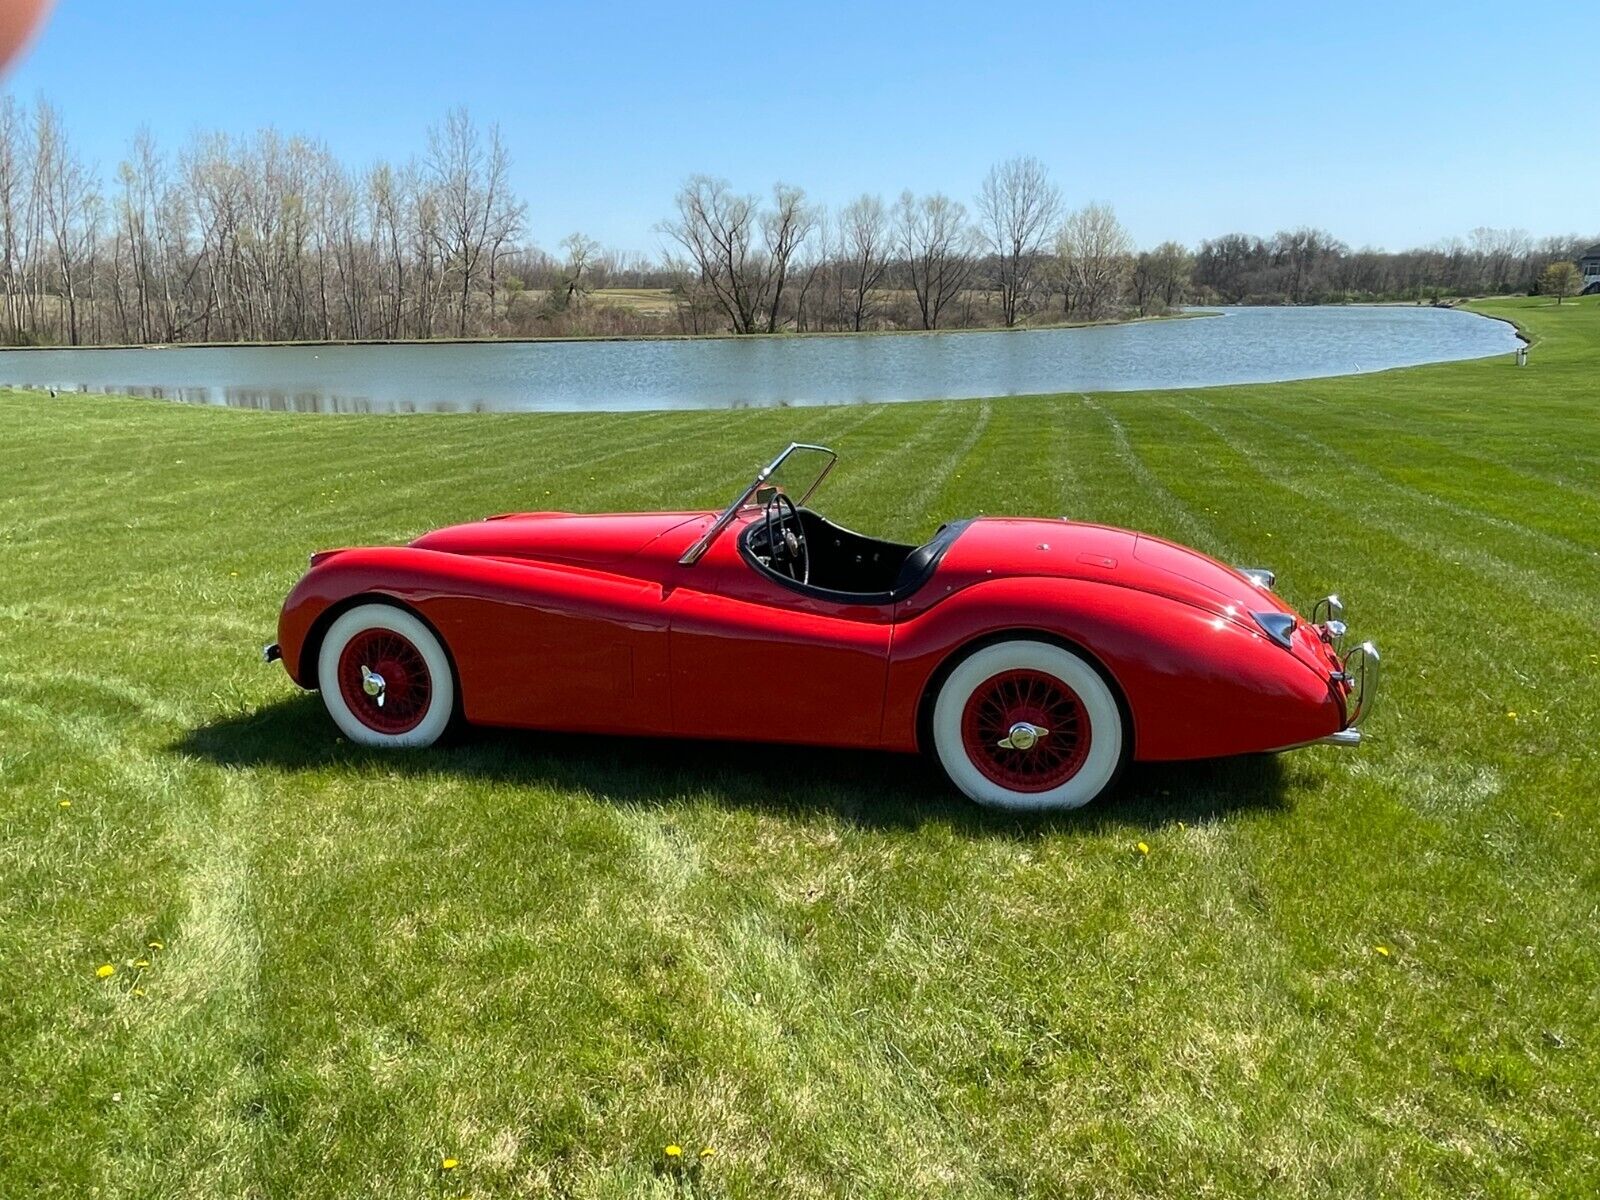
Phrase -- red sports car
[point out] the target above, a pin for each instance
(1034, 658)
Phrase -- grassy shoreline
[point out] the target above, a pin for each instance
(547, 958)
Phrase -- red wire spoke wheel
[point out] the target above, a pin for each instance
(1028, 725)
(385, 677)
(385, 681)
(1039, 702)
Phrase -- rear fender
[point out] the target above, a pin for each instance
(1196, 685)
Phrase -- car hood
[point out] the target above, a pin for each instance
(580, 539)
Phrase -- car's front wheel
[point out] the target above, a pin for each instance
(385, 677)
(1025, 725)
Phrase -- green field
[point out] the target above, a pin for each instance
(548, 958)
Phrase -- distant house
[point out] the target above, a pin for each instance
(1589, 268)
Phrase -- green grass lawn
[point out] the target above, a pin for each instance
(547, 958)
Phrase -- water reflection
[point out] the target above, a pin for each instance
(1242, 346)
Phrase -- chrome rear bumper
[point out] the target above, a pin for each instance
(1361, 668)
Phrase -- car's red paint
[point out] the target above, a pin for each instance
(589, 623)
(559, 537)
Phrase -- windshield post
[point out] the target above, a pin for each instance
(703, 543)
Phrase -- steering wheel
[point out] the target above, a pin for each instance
(787, 547)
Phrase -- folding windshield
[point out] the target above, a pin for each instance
(797, 472)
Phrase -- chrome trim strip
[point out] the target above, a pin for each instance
(703, 543)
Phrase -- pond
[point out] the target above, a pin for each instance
(1241, 345)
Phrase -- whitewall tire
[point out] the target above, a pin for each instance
(1028, 725)
(385, 677)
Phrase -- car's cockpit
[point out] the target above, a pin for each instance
(811, 553)
(804, 550)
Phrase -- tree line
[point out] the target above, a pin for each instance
(273, 238)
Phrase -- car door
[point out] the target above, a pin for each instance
(754, 660)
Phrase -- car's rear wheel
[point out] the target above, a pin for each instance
(385, 677)
(1028, 725)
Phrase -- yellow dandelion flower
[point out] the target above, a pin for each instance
(143, 962)
(707, 1151)
(674, 1151)
(155, 945)
(66, 804)
(1511, 715)
(449, 1164)
(1142, 848)
(1383, 950)
(138, 991)
(106, 972)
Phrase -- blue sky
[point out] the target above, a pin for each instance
(1390, 124)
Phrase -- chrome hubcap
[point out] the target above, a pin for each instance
(373, 685)
(1022, 736)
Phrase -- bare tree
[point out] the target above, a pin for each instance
(742, 254)
(1017, 208)
(68, 198)
(717, 229)
(386, 194)
(1302, 253)
(814, 267)
(1093, 251)
(574, 281)
(864, 243)
(933, 237)
(787, 227)
(14, 159)
(471, 183)
(1498, 250)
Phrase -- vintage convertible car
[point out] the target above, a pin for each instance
(1033, 658)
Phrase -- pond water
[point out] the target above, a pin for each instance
(1241, 345)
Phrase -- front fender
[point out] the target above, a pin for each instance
(1197, 685)
(399, 572)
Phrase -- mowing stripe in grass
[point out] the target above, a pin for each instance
(1198, 532)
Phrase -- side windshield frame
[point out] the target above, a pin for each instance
(693, 554)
